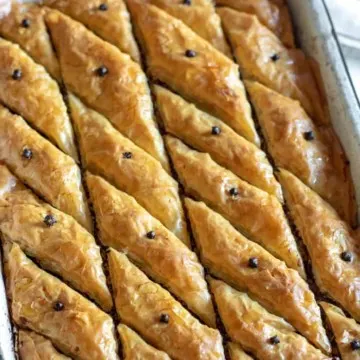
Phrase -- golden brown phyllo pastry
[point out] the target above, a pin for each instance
(346, 331)
(124, 225)
(333, 251)
(209, 134)
(158, 317)
(134, 347)
(230, 256)
(46, 305)
(212, 241)
(25, 25)
(203, 75)
(200, 16)
(33, 346)
(237, 353)
(274, 14)
(262, 57)
(310, 152)
(265, 335)
(106, 152)
(254, 212)
(27, 89)
(107, 81)
(53, 238)
(110, 20)
(48, 171)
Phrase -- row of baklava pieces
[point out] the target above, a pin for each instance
(218, 134)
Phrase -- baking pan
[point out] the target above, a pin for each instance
(316, 36)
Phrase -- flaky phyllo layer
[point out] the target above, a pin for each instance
(171, 186)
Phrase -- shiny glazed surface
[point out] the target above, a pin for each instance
(194, 127)
(140, 304)
(254, 212)
(50, 173)
(44, 107)
(135, 348)
(112, 25)
(210, 79)
(36, 347)
(291, 75)
(226, 254)
(273, 14)
(34, 39)
(200, 16)
(326, 237)
(252, 326)
(123, 224)
(81, 330)
(345, 330)
(122, 94)
(320, 162)
(66, 248)
(102, 149)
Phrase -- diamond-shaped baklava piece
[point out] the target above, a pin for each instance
(126, 226)
(263, 57)
(25, 25)
(150, 310)
(28, 90)
(310, 152)
(333, 251)
(48, 171)
(53, 238)
(107, 153)
(200, 16)
(108, 81)
(265, 335)
(209, 134)
(109, 19)
(274, 14)
(254, 212)
(44, 304)
(249, 267)
(203, 74)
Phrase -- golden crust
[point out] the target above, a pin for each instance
(135, 348)
(13, 192)
(291, 75)
(112, 25)
(33, 38)
(141, 303)
(248, 323)
(272, 14)
(237, 353)
(345, 330)
(35, 347)
(199, 16)
(226, 253)
(107, 153)
(232, 151)
(123, 224)
(122, 94)
(44, 107)
(210, 79)
(80, 329)
(319, 162)
(326, 237)
(256, 213)
(48, 171)
(66, 248)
